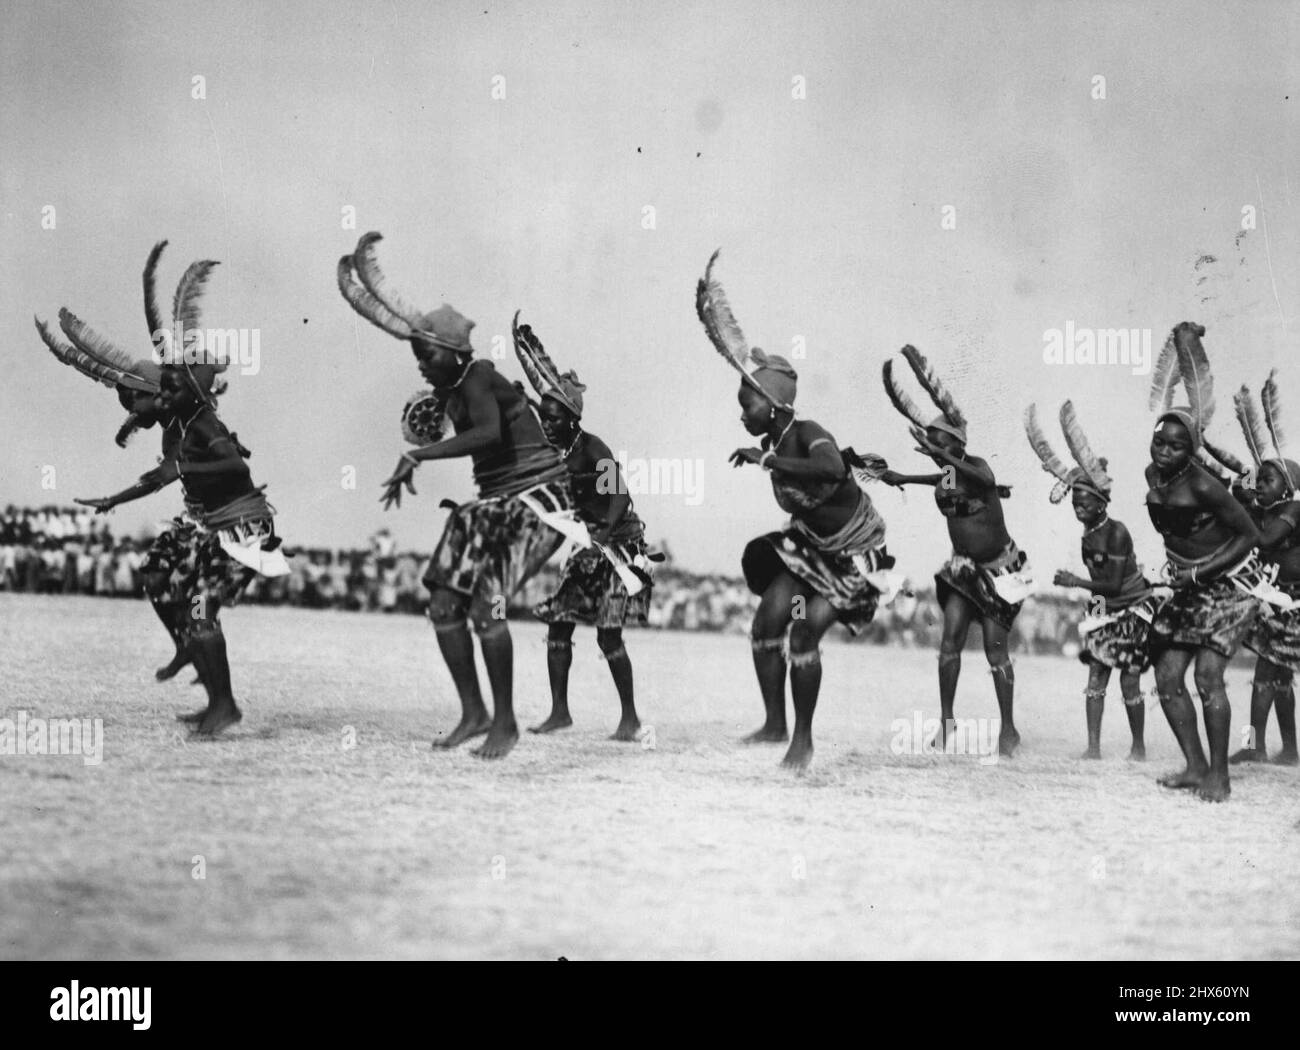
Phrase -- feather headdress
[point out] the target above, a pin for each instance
(1271, 398)
(104, 357)
(1090, 471)
(951, 417)
(1164, 378)
(1262, 429)
(724, 331)
(1194, 369)
(363, 302)
(541, 371)
(153, 317)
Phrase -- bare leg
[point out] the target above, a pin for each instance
(447, 611)
(168, 613)
(1261, 702)
(1218, 723)
(559, 658)
(499, 657)
(1094, 704)
(957, 616)
(767, 638)
(610, 640)
(222, 711)
(1171, 670)
(806, 677)
(1284, 700)
(1004, 684)
(1130, 687)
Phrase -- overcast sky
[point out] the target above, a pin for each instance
(829, 209)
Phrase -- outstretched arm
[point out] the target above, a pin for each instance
(152, 481)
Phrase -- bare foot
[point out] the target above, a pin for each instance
(219, 718)
(1286, 758)
(1008, 741)
(180, 660)
(767, 735)
(557, 720)
(1188, 778)
(1137, 753)
(799, 755)
(1248, 754)
(1092, 752)
(499, 742)
(194, 717)
(469, 726)
(627, 730)
(1214, 787)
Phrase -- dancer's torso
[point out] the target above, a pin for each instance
(594, 482)
(1285, 553)
(1098, 556)
(825, 506)
(192, 441)
(1190, 529)
(973, 512)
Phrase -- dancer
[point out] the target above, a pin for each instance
(209, 556)
(1209, 541)
(136, 382)
(988, 577)
(606, 582)
(1275, 636)
(492, 545)
(1114, 636)
(830, 563)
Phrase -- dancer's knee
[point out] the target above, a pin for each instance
(485, 620)
(610, 641)
(1209, 681)
(446, 609)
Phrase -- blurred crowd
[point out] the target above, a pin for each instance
(63, 550)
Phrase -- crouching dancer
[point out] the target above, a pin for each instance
(493, 544)
(606, 583)
(829, 564)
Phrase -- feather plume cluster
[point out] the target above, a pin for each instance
(364, 286)
(1262, 429)
(723, 330)
(538, 366)
(1090, 466)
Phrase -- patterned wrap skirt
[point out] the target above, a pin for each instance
(591, 593)
(1216, 615)
(975, 581)
(1120, 639)
(491, 547)
(187, 561)
(839, 576)
(1275, 635)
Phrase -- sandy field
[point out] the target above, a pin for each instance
(325, 826)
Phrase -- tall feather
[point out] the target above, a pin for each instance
(1080, 449)
(1271, 398)
(1252, 424)
(537, 364)
(1052, 463)
(899, 397)
(723, 330)
(74, 358)
(138, 375)
(933, 385)
(1164, 377)
(376, 283)
(185, 305)
(1224, 456)
(153, 315)
(360, 299)
(1194, 366)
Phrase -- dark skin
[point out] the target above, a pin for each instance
(1106, 581)
(484, 397)
(980, 537)
(787, 595)
(585, 453)
(144, 407)
(1176, 480)
(177, 401)
(1278, 515)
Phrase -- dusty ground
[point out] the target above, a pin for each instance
(581, 847)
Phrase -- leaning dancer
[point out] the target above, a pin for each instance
(1209, 541)
(606, 582)
(1275, 637)
(227, 536)
(987, 577)
(136, 383)
(494, 544)
(830, 562)
(1117, 638)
